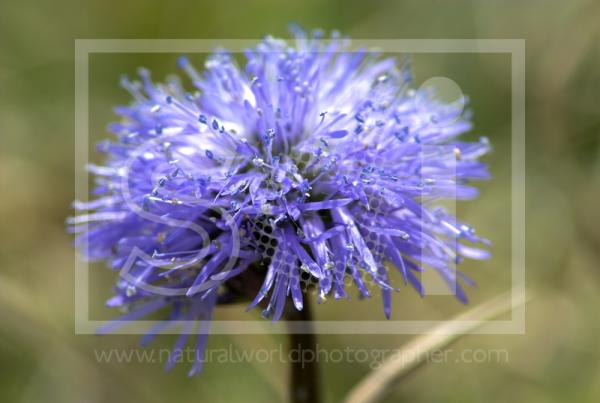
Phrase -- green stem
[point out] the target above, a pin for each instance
(304, 375)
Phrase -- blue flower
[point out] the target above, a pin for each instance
(313, 164)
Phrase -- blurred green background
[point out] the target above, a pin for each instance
(41, 360)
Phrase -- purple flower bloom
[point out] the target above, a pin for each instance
(313, 163)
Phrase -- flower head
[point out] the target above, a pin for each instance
(312, 163)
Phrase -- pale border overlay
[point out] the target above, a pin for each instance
(514, 47)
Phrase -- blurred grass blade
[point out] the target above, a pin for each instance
(375, 385)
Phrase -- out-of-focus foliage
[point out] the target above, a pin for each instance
(557, 360)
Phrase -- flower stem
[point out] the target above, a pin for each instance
(304, 373)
